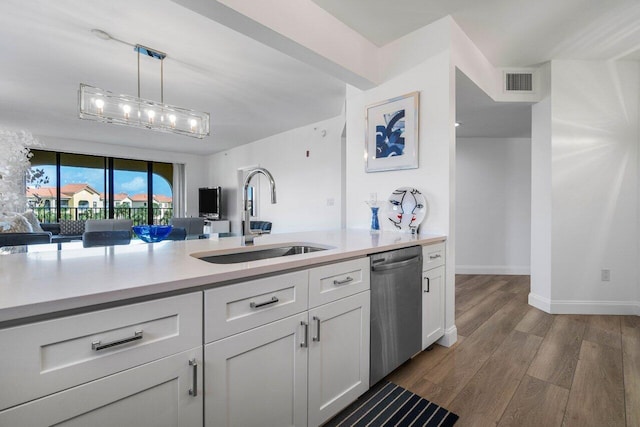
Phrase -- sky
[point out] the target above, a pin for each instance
(124, 181)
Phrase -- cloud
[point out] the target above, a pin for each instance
(136, 185)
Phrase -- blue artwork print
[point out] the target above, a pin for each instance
(390, 137)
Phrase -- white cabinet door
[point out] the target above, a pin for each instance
(156, 394)
(432, 305)
(338, 355)
(259, 377)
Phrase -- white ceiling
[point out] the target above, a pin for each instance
(510, 33)
(253, 91)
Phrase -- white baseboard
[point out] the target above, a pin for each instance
(596, 307)
(539, 302)
(450, 337)
(493, 269)
(584, 307)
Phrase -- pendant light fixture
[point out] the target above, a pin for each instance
(104, 106)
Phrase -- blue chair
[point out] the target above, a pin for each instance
(264, 227)
(105, 238)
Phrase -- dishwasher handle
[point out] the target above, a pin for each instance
(394, 265)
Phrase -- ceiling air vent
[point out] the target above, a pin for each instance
(518, 82)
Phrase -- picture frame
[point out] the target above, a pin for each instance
(391, 135)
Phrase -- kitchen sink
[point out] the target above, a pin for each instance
(251, 254)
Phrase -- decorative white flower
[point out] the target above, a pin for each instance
(14, 164)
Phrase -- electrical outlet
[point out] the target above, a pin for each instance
(330, 202)
(605, 275)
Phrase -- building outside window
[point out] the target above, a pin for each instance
(99, 187)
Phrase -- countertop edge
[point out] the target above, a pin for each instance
(14, 314)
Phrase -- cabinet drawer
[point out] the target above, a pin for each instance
(155, 394)
(242, 306)
(331, 282)
(45, 357)
(433, 256)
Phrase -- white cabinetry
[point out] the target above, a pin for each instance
(267, 367)
(433, 280)
(155, 394)
(258, 377)
(338, 355)
(110, 363)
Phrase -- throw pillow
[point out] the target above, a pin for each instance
(33, 220)
(70, 227)
(15, 223)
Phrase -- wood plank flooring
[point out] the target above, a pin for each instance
(514, 365)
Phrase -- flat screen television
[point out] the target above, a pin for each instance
(209, 199)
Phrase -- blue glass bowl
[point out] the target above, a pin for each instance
(152, 233)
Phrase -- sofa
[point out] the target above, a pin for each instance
(19, 229)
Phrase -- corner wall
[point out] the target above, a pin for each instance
(541, 209)
(591, 215)
(595, 186)
(433, 79)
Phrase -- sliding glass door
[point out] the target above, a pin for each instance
(77, 186)
(82, 187)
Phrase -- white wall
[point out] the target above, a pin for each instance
(594, 187)
(540, 294)
(308, 188)
(433, 78)
(493, 205)
(195, 171)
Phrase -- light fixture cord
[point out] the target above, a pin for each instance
(162, 81)
(138, 50)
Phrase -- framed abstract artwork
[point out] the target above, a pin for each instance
(391, 138)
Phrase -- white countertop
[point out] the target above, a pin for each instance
(40, 283)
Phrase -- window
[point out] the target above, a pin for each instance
(78, 186)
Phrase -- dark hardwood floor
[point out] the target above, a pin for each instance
(514, 365)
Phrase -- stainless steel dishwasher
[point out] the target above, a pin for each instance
(396, 309)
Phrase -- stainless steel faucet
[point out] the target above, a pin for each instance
(247, 234)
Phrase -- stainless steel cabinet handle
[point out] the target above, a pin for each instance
(436, 256)
(305, 343)
(273, 300)
(97, 345)
(428, 284)
(194, 390)
(342, 282)
(317, 337)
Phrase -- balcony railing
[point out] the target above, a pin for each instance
(161, 216)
